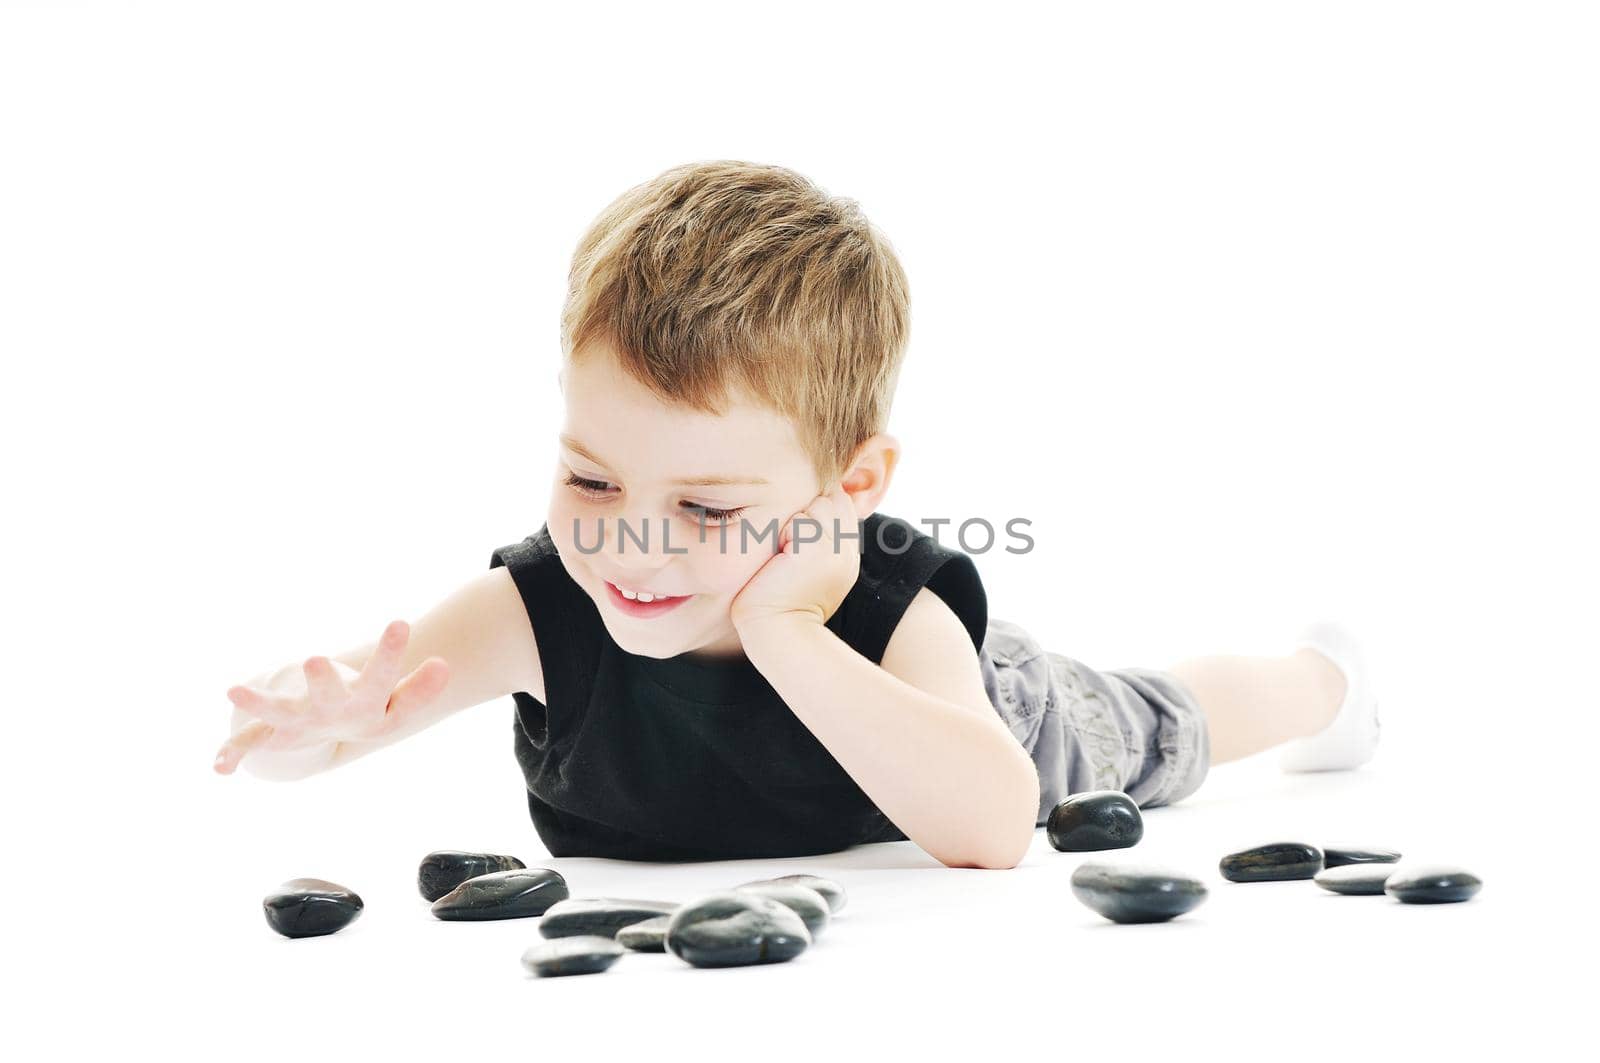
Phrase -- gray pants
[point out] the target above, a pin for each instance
(1138, 730)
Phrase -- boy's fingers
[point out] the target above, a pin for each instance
(323, 684)
(382, 670)
(786, 534)
(416, 690)
(262, 707)
(247, 698)
(233, 750)
(814, 528)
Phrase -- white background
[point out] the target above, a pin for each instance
(1259, 312)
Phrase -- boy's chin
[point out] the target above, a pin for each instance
(658, 645)
(646, 643)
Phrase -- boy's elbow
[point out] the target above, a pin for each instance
(1003, 850)
(1010, 854)
(981, 864)
(991, 860)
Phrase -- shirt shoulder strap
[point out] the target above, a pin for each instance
(565, 624)
(898, 560)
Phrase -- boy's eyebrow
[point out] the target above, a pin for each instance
(688, 481)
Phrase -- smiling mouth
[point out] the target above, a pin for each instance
(644, 596)
(638, 606)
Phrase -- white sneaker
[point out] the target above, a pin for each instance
(1351, 738)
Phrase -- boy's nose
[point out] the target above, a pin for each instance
(639, 541)
(638, 572)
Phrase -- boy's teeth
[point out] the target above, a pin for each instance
(642, 596)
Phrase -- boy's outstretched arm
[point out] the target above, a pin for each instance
(331, 710)
(483, 631)
(917, 733)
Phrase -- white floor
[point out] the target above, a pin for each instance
(922, 956)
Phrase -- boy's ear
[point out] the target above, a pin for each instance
(867, 479)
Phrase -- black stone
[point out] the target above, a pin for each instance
(446, 869)
(1432, 884)
(580, 954)
(1136, 893)
(1361, 879)
(1096, 820)
(1343, 856)
(599, 915)
(514, 894)
(831, 891)
(807, 903)
(648, 936)
(734, 928)
(1273, 862)
(310, 907)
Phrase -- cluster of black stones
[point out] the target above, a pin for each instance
(1138, 893)
(776, 919)
(765, 921)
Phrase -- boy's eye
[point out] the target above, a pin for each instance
(712, 515)
(597, 486)
(697, 512)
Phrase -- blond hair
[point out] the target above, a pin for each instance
(724, 277)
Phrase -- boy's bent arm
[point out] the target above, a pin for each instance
(925, 744)
(483, 632)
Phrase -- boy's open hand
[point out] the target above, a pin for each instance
(324, 702)
(807, 579)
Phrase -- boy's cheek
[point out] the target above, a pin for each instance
(725, 575)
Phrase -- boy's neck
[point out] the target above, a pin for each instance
(725, 651)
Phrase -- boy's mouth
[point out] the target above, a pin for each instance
(635, 607)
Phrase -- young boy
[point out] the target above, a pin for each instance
(717, 646)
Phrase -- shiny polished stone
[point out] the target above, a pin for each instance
(1360, 879)
(735, 928)
(442, 871)
(599, 915)
(1432, 884)
(1136, 893)
(580, 954)
(648, 936)
(1095, 820)
(1273, 862)
(514, 894)
(831, 891)
(807, 903)
(310, 907)
(1347, 855)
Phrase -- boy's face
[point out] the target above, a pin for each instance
(621, 459)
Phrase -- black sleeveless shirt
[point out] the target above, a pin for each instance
(681, 759)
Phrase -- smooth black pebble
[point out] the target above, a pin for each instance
(443, 871)
(831, 891)
(580, 954)
(1342, 856)
(1358, 879)
(1272, 862)
(598, 915)
(1432, 884)
(734, 928)
(648, 936)
(310, 907)
(514, 894)
(807, 903)
(1136, 893)
(1095, 820)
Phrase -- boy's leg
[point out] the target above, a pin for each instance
(1137, 730)
(1255, 703)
